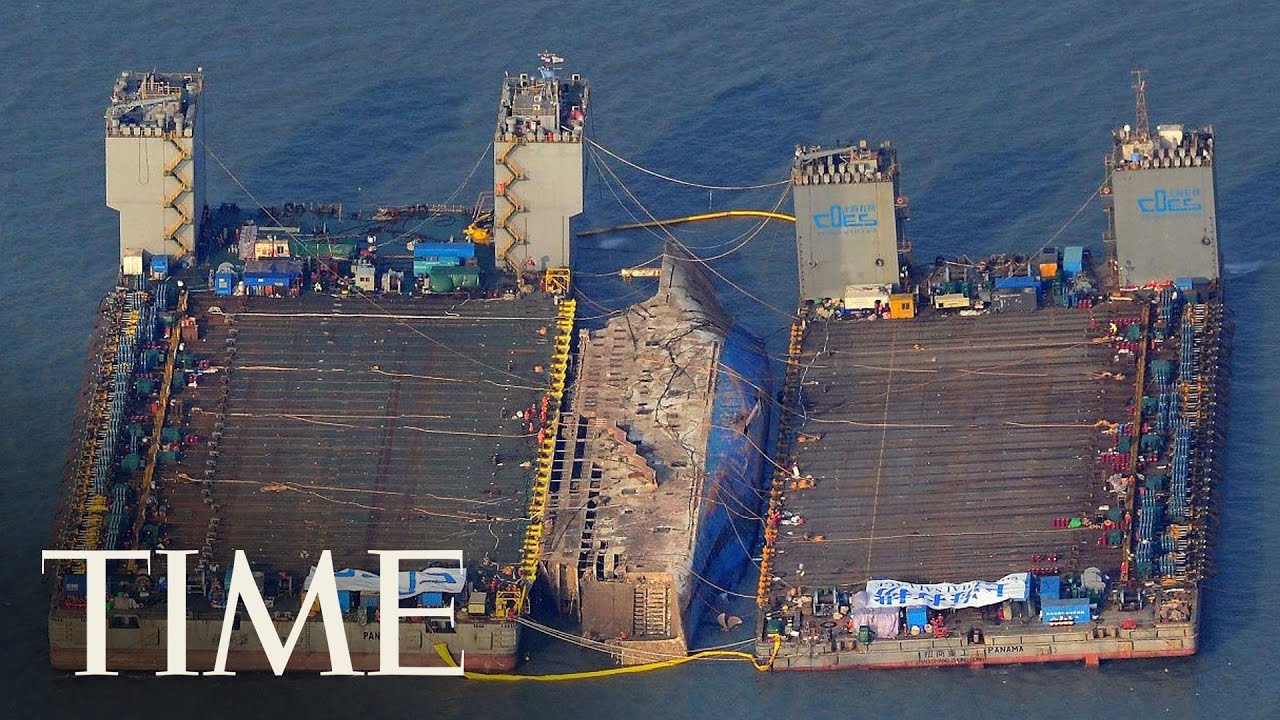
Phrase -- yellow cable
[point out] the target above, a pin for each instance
(692, 218)
(442, 649)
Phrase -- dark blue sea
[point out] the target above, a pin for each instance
(1000, 111)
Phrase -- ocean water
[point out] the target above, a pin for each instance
(1001, 116)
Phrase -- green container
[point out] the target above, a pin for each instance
(179, 378)
(131, 462)
(145, 387)
(864, 634)
(170, 435)
(774, 627)
(167, 458)
(136, 430)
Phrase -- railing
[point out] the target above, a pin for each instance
(786, 435)
(540, 491)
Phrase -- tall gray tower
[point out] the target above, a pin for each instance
(155, 160)
(1159, 199)
(538, 170)
(848, 218)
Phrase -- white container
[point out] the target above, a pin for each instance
(132, 262)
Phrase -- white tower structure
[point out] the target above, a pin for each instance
(155, 161)
(538, 167)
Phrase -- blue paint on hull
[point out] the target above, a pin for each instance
(734, 495)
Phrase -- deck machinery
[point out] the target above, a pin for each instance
(282, 421)
(1057, 455)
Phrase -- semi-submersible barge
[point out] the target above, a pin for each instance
(995, 461)
(266, 401)
(1018, 462)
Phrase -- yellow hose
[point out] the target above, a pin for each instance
(692, 218)
(442, 649)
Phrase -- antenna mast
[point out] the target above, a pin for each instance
(1142, 125)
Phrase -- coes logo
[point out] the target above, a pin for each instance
(846, 217)
(1164, 201)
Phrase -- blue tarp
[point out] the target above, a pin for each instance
(1050, 587)
(1017, 283)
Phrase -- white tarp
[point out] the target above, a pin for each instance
(977, 593)
(412, 583)
(882, 621)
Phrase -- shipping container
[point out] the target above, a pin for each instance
(281, 273)
(917, 618)
(865, 297)
(1024, 300)
(1072, 260)
(366, 277)
(459, 252)
(902, 306)
(951, 301)
(1065, 609)
(75, 585)
(132, 262)
(159, 267)
(224, 283)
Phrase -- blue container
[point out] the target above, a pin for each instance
(1072, 260)
(442, 250)
(1050, 587)
(431, 600)
(917, 617)
(1076, 609)
(369, 601)
(224, 283)
(74, 586)
(344, 600)
(159, 264)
